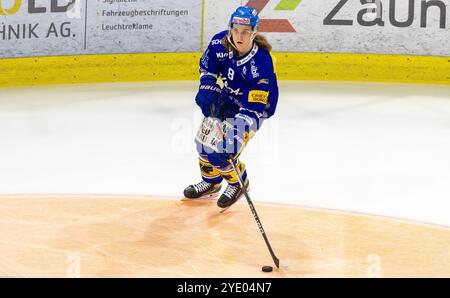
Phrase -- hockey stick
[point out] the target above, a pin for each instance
(256, 217)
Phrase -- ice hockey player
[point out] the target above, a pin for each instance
(242, 58)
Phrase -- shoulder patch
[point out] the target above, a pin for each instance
(258, 96)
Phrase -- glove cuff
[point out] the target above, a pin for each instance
(214, 87)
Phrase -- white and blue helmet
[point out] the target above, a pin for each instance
(245, 16)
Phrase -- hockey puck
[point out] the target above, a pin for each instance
(267, 268)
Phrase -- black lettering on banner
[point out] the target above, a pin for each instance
(19, 31)
(31, 31)
(54, 7)
(425, 7)
(64, 30)
(406, 23)
(329, 18)
(443, 13)
(52, 30)
(33, 9)
(378, 10)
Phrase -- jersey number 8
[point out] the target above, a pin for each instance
(230, 73)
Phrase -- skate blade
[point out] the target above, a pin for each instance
(207, 197)
(225, 209)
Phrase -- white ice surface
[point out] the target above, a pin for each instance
(376, 148)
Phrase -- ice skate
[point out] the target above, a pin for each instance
(230, 196)
(202, 190)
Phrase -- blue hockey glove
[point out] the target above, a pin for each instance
(207, 95)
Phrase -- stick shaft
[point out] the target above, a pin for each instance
(255, 214)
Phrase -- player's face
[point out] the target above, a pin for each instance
(242, 35)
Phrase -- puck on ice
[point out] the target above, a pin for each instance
(267, 268)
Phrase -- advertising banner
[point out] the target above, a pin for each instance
(74, 27)
(408, 27)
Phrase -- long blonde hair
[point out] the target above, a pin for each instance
(259, 39)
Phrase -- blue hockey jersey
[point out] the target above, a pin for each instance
(250, 83)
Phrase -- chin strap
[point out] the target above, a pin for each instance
(229, 39)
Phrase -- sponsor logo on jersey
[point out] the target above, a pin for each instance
(216, 42)
(222, 55)
(258, 96)
(254, 69)
(263, 81)
(230, 90)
